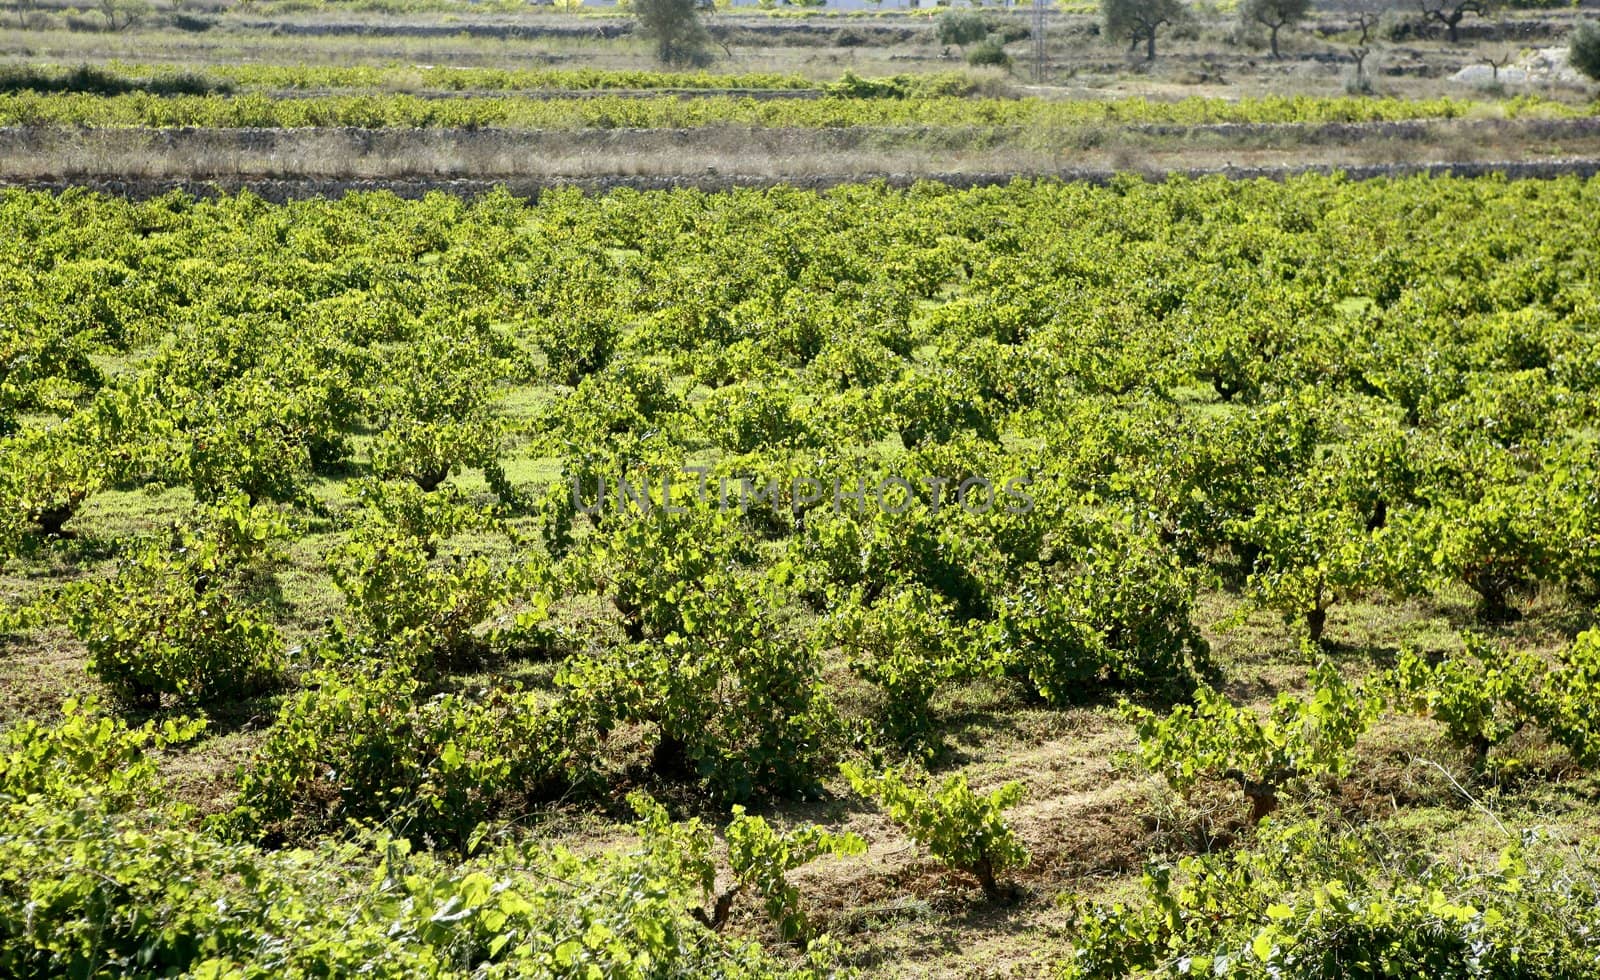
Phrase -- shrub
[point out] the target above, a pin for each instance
(761, 857)
(1396, 25)
(1009, 29)
(240, 444)
(45, 366)
(1564, 703)
(853, 86)
(434, 410)
(991, 53)
(881, 550)
(962, 830)
(936, 407)
(192, 23)
(1498, 539)
(1484, 699)
(1312, 549)
(428, 453)
(744, 418)
(409, 510)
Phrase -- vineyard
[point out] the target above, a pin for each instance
(1182, 578)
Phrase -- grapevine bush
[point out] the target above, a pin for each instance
(962, 829)
(1301, 740)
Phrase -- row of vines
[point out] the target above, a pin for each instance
(851, 103)
(116, 77)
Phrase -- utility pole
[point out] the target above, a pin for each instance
(1038, 40)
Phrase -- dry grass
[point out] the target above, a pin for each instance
(132, 154)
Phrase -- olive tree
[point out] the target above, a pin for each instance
(1368, 14)
(675, 29)
(122, 14)
(1584, 54)
(1274, 15)
(1451, 13)
(1139, 20)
